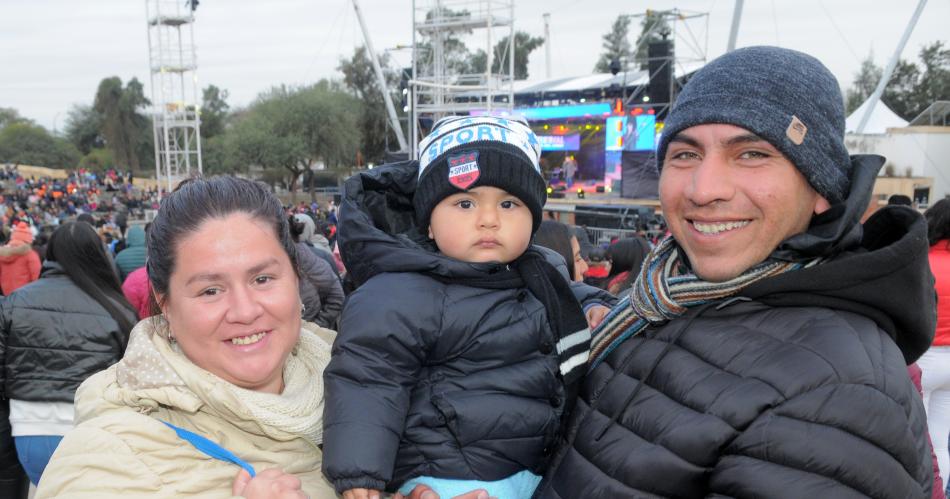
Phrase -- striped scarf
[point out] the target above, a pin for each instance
(665, 289)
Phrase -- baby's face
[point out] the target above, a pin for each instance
(483, 224)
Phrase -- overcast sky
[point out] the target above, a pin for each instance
(53, 53)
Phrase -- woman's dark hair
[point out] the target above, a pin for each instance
(198, 199)
(626, 255)
(557, 236)
(296, 228)
(938, 222)
(77, 249)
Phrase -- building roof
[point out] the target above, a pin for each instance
(936, 114)
(881, 119)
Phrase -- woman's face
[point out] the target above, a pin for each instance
(233, 304)
(580, 265)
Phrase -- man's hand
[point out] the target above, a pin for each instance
(268, 484)
(424, 492)
(361, 494)
(596, 314)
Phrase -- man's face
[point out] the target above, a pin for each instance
(730, 197)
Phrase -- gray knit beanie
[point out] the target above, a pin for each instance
(788, 98)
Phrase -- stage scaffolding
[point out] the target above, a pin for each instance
(441, 85)
(176, 101)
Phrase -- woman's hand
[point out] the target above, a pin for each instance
(362, 494)
(596, 315)
(423, 492)
(268, 484)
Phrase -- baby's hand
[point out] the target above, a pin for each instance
(361, 494)
(268, 484)
(423, 492)
(596, 314)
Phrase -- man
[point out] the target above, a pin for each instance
(763, 353)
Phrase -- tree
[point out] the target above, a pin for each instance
(901, 94)
(291, 129)
(935, 81)
(911, 88)
(218, 155)
(360, 79)
(99, 159)
(214, 111)
(615, 45)
(25, 143)
(127, 132)
(83, 125)
(455, 55)
(654, 28)
(9, 116)
(524, 45)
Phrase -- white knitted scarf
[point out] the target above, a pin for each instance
(152, 362)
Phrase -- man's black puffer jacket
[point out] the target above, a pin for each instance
(798, 389)
(430, 377)
(54, 336)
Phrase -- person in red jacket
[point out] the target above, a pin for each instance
(935, 363)
(19, 264)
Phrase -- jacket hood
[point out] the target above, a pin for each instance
(378, 231)
(13, 250)
(135, 237)
(879, 269)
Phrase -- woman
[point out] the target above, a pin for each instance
(228, 360)
(320, 289)
(626, 257)
(558, 237)
(935, 363)
(19, 264)
(317, 243)
(58, 331)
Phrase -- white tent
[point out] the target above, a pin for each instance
(882, 118)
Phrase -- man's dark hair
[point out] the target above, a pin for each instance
(938, 222)
(899, 200)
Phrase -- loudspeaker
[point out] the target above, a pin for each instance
(661, 71)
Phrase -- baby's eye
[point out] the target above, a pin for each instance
(465, 204)
(509, 204)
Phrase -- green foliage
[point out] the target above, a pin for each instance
(127, 132)
(912, 87)
(290, 129)
(615, 45)
(360, 79)
(653, 28)
(82, 128)
(864, 83)
(218, 155)
(524, 45)
(455, 55)
(214, 111)
(9, 116)
(28, 144)
(99, 159)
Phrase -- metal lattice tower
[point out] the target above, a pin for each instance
(175, 95)
(442, 87)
